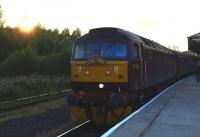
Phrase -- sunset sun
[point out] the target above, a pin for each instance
(26, 25)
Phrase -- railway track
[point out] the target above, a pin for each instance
(16, 103)
(86, 129)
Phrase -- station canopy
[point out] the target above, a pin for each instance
(194, 43)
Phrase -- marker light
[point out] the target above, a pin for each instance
(101, 85)
(107, 73)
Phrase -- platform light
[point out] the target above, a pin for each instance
(101, 85)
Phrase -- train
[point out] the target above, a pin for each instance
(113, 69)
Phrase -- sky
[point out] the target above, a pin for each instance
(168, 22)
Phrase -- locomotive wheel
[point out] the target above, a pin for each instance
(98, 115)
(114, 116)
(98, 110)
(118, 108)
(77, 113)
(128, 111)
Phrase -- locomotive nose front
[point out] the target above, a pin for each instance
(110, 71)
(98, 69)
(100, 62)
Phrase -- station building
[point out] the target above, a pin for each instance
(194, 43)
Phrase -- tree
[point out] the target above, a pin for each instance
(44, 51)
(9, 42)
(19, 63)
(76, 34)
(1, 21)
(64, 36)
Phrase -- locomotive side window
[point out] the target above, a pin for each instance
(135, 51)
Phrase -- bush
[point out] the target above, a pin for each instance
(27, 62)
(55, 64)
(12, 87)
(19, 63)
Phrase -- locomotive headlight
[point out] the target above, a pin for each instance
(107, 73)
(101, 85)
(87, 73)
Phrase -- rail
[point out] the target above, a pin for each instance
(11, 104)
(65, 133)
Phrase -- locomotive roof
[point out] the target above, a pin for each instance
(108, 33)
(121, 35)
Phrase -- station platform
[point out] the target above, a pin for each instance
(175, 112)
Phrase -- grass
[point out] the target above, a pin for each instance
(41, 86)
(33, 85)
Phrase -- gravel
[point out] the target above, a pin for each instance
(48, 123)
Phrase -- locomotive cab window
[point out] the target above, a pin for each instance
(107, 50)
(79, 52)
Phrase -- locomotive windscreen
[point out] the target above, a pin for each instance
(104, 49)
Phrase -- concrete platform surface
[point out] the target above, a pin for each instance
(175, 113)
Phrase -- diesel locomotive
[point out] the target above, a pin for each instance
(112, 70)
